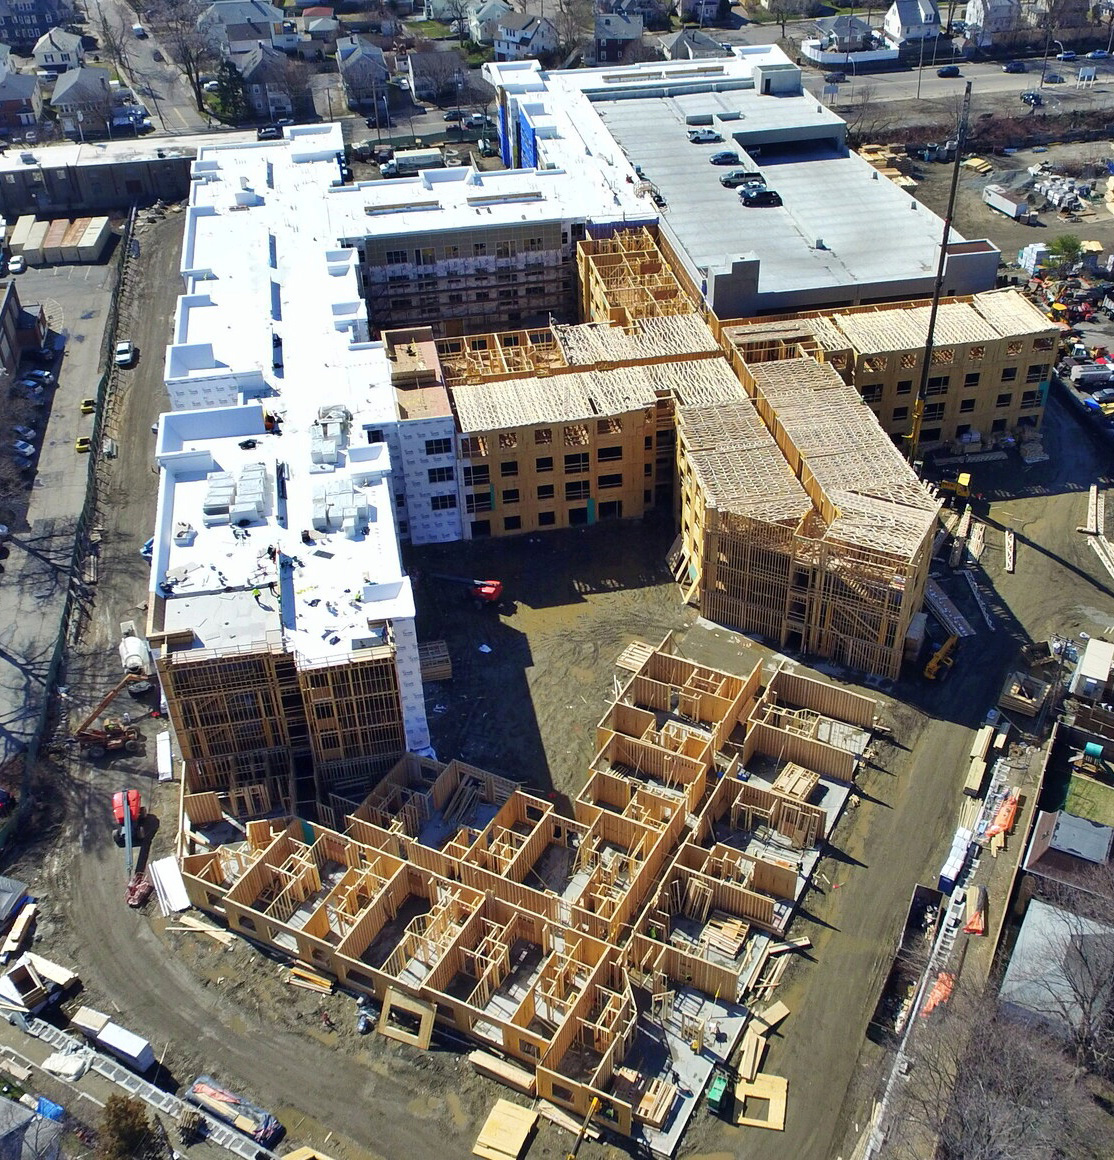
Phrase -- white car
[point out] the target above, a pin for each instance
(27, 433)
(17, 265)
(704, 136)
(210, 87)
(125, 354)
(24, 449)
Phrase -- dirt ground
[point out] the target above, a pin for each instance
(975, 219)
(528, 709)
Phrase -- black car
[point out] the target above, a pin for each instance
(268, 133)
(739, 177)
(948, 71)
(835, 78)
(756, 197)
(1032, 98)
(1014, 66)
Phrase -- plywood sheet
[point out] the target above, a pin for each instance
(773, 1088)
(506, 1131)
(499, 1069)
(772, 1016)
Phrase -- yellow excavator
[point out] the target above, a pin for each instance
(960, 486)
(942, 658)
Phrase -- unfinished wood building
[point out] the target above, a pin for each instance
(800, 521)
(992, 361)
(265, 726)
(527, 930)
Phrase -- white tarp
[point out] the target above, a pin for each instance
(69, 1065)
(169, 887)
(162, 753)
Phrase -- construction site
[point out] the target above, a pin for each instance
(613, 960)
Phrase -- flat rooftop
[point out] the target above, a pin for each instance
(261, 539)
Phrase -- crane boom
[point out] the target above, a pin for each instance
(914, 436)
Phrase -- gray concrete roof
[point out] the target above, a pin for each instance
(870, 228)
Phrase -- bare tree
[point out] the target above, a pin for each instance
(868, 119)
(785, 10)
(983, 1086)
(457, 13)
(574, 22)
(191, 49)
(113, 35)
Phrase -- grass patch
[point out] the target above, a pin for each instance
(430, 29)
(1090, 799)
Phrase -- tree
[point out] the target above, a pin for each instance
(125, 1130)
(573, 21)
(191, 48)
(113, 35)
(1065, 251)
(983, 1086)
(456, 12)
(785, 10)
(230, 92)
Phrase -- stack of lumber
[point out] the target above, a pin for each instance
(563, 1120)
(634, 656)
(754, 1048)
(796, 781)
(771, 1017)
(505, 1133)
(186, 922)
(725, 934)
(436, 664)
(1023, 694)
(309, 981)
(656, 1103)
(979, 165)
(506, 1073)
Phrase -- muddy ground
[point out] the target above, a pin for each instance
(528, 709)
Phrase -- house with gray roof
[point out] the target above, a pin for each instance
(58, 50)
(363, 69)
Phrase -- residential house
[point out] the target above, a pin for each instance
(690, 44)
(444, 10)
(21, 101)
(22, 22)
(235, 26)
(26, 1134)
(614, 33)
(84, 101)
(363, 70)
(1060, 969)
(58, 50)
(1067, 849)
(483, 19)
(995, 20)
(435, 74)
(654, 13)
(844, 34)
(700, 11)
(1066, 14)
(319, 27)
(270, 88)
(520, 36)
(911, 20)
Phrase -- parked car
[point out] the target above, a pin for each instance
(454, 115)
(268, 133)
(1033, 98)
(1014, 66)
(17, 265)
(751, 197)
(27, 433)
(156, 55)
(1098, 54)
(125, 353)
(1067, 55)
(210, 87)
(44, 377)
(738, 177)
(1053, 79)
(1106, 395)
(704, 136)
(835, 78)
(21, 447)
(723, 157)
(948, 71)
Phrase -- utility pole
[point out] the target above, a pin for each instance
(914, 436)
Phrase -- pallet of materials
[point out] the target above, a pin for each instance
(725, 934)
(435, 662)
(1023, 694)
(504, 1135)
(498, 1069)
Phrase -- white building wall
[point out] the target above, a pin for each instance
(411, 692)
(426, 525)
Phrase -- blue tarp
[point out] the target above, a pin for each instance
(50, 1110)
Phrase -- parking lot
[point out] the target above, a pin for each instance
(40, 503)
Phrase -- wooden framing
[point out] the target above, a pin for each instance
(425, 1013)
(451, 894)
